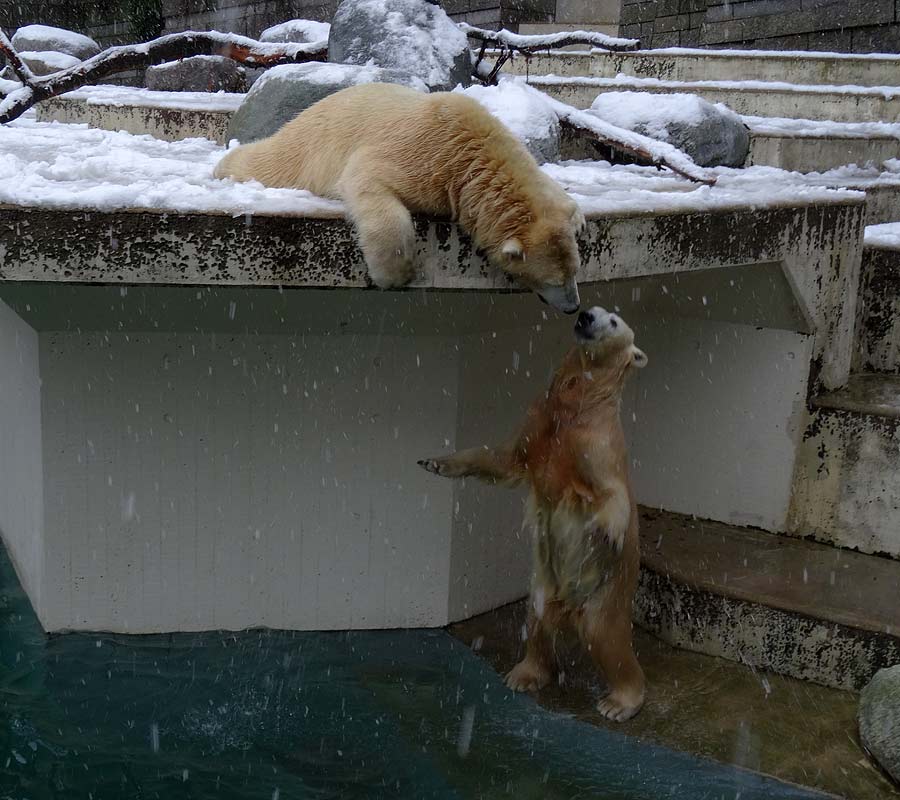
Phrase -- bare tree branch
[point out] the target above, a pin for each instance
(533, 44)
(20, 70)
(121, 59)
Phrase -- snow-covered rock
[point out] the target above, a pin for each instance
(283, 92)
(38, 38)
(879, 719)
(297, 30)
(197, 74)
(412, 36)
(46, 62)
(712, 135)
(525, 113)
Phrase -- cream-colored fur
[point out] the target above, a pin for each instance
(571, 450)
(387, 150)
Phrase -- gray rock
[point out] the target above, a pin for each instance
(47, 62)
(712, 135)
(197, 74)
(525, 113)
(879, 719)
(283, 92)
(40, 38)
(412, 36)
(298, 31)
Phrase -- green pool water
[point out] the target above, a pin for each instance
(276, 715)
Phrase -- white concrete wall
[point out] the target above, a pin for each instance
(226, 481)
(21, 480)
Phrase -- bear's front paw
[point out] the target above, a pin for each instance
(434, 465)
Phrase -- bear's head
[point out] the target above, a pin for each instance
(606, 341)
(545, 257)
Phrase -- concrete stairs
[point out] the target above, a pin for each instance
(794, 607)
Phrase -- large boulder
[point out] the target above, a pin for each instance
(47, 62)
(197, 74)
(412, 36)
(712, 135)
(298, 31)
(41, 38)
(525, 113)
(283, 92)
(879, 719)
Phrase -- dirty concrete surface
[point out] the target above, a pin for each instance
(791, 729)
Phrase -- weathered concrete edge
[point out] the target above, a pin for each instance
(759, 636)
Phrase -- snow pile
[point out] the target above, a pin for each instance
(328, 74)
(72, 166)
(119, 96)
(297, 30)
(886, 236)
(75, 167)
(46, 37)
(526, 113)
(608, 190)
(412, 36)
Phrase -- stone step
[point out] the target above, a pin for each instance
(878, 304)
(801, 145)
(847, 468)
(776, 603)
(682, 64)
(773, 99)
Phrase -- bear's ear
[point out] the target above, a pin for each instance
(513, 250)
(638, 357)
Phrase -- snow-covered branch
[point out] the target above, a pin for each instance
(532, 44)
(642, 148)
(247, 51)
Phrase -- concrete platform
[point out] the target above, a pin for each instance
(836, 103)
(685, 64)
(227, 435)
(794, 607)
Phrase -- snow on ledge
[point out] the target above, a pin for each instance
(887, 92)
(74, 167)
(120, 96)
(884, 237)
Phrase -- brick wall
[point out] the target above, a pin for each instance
(858, 26)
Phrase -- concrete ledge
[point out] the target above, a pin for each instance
(681, 64)
(797, 608)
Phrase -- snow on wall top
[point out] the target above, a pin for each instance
(788, 127)
(64, 166)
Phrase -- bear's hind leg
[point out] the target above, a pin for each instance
(606, 632)
(384, 226)
(538, 667)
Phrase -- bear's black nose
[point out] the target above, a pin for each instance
(584, 320)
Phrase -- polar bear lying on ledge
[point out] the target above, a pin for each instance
(386, 151)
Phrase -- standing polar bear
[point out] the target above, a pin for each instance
(387, 150)
(571, 450)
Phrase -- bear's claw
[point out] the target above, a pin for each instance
(430, 465)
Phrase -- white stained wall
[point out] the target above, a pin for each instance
(230, 481)
(21, 479)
